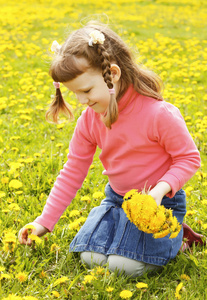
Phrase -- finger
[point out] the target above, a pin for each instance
(23, 234)
(28, 242)
(20, 237)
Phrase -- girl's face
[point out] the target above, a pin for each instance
(91, 89)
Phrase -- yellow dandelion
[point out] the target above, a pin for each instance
(174, 235)
(2, 269)
(28, 160)
(161, 234)
(15, 165)
(157, 221)
(204, 201)
(109, 289)
(12, 297)
(5, 180)
(88, 279)
(55, 293)
(9, 241)
(98, 195)
(143, 211)
(13, 138)
(54, 247)
(190, 213)
(30, 226)
(37, 154)
(59, 145)
(130, 194)
(43, 274)
(169, 213)
(5, 276)
(177, 291)
(35, 238)
(15, 149)
(141, 285)
(81, 220)
(19, 192)
(185, 277)
(73, 225)
(149, 203)
(16, 184)
(188, 190)
(2, 194)
(74, 213)
(161, 217)
(14, 206)
(86, 198)
(99, 270)
(204, 226)
(21, 276)
(125, 294)
(61, 280)
(60, 126)
(9, 246)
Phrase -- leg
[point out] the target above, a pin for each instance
(129, 266)
(191, 237)
(93, 258)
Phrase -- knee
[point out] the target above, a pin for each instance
(129, 267)
(93, 258)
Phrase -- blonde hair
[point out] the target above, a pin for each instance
(66, 67)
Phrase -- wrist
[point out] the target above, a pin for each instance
(159, 191)
(162, 188)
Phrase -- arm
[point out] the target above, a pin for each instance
(80, 157)
(70, 180)
(172, 134)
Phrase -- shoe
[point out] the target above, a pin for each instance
(191, 237)
(184, 246)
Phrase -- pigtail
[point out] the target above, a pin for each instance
(58, 105)
(112, 113)
(149, 84)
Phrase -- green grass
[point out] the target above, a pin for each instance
(167, 36)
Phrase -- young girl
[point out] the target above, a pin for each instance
(144, 143)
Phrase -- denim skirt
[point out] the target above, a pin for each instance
(107, 230)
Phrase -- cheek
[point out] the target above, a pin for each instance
(101, 96)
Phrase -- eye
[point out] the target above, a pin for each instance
(87, 91)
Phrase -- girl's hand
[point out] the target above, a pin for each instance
(159, 191)
(25, 232)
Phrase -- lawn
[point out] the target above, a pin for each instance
(167, 36)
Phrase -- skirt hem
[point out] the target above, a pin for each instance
(114, 251)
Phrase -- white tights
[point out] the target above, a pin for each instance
(118, 263)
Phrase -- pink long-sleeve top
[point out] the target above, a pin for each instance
(148, 143)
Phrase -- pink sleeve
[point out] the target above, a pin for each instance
(172, 133)
(71, 177)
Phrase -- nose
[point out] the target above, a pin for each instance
(82, 99)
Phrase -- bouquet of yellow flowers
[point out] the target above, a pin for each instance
(142, 210)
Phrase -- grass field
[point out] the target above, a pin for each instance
(169, 37)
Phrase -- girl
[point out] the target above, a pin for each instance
(144, 141)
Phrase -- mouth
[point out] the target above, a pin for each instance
(92, 104)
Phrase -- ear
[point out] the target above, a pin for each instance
(115, 72)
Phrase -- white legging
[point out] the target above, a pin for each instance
(117, 263)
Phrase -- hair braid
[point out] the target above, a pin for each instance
(58, 105)
(112, 112)
(105, 65)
